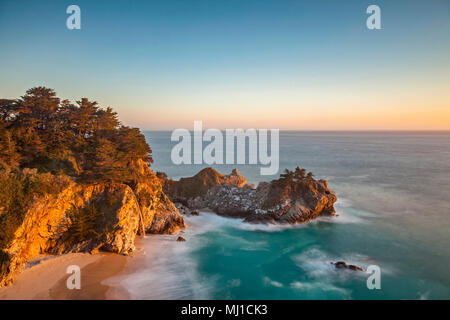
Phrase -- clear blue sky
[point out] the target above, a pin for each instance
(249, 63)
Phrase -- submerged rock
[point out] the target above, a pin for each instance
(355, 268)
(340, 264)
(344, 265)
(181, 239)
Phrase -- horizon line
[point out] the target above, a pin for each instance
(325, 130)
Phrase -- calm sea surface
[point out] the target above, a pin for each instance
(394, 212)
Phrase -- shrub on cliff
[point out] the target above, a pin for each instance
(83, 223)
(17, 189)
(290, 185)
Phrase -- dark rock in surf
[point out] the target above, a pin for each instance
(344, 265)
(340, 264)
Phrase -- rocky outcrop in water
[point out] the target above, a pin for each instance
(289, 199)
(344, 265)
(187, 190)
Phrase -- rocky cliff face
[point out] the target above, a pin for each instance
(293, 202)
(188, 190)
(279, 201)
(88, 218)
(108, 216)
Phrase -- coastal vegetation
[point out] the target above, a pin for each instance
(47, 144)
(81, 140)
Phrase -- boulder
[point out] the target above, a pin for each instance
(344, 265)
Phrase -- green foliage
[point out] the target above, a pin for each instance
(145, 198)
(44, 141)
(292, 177)
(161, 175)
(16, 192)
(289, 185)
(83, 223)
(81, 140)
(4, 263)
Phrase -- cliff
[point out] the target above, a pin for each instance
(107, 216)
(189, 190)
(73, 178)
(87, 218)
(286, 200)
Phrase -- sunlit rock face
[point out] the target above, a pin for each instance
(194, 188)
(89, 218)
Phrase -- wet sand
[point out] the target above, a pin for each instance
(102, 274)
(46, 278)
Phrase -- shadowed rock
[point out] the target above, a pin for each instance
(344, 265)
(286, 200)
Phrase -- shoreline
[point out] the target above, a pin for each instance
(45, 278)
(102, 274)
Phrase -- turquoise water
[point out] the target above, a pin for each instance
(393, 207)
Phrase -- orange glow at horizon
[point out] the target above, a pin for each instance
(401, 112)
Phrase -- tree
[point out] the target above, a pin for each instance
(36, 107)
(132, 142)
(8, 109)
(161, 175)
(8, 153)
(287, 175)
(299, 173)
(80, 139)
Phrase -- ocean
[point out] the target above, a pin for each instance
(393, 212)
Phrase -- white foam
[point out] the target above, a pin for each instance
(341, 217)
(343, 203)
(168, 272)
(270, 282)
(322, 286)
(317, 264)
(168, 269)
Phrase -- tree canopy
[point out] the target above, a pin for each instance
(81, 139)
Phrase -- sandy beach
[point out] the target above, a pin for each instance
(45, 278)
(102, 274)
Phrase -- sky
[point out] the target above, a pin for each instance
(297, 65)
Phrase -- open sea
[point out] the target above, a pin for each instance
(394, 212)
